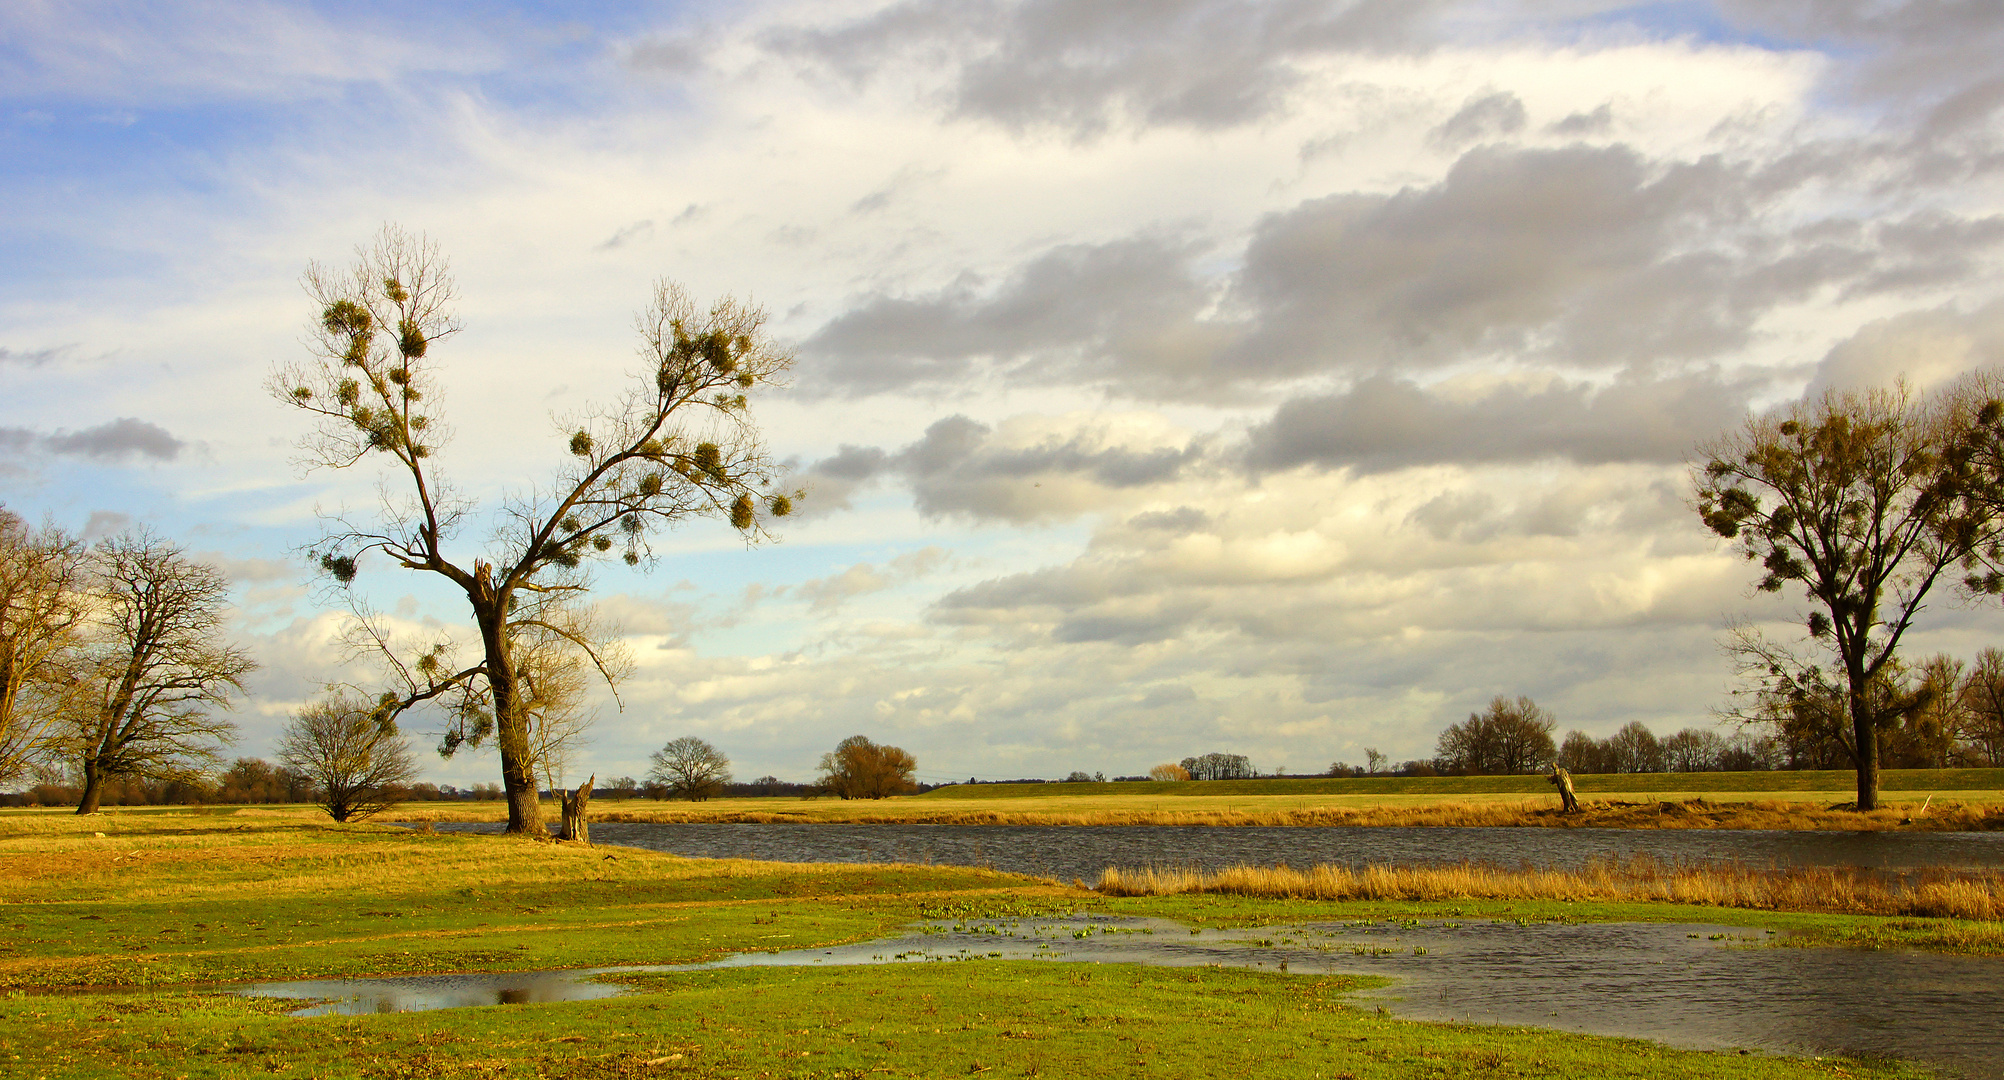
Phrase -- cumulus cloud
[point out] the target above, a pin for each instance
(1923, 347)
(1578, 255)
(1481, 119)
(1057, 315)
(1084, 66)
(1029, 468)
(825, 595)
(111, 442)
(1386, 423)
(626, 234)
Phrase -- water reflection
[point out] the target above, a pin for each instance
(1082, 851)
(420, 993)
(1687, 985)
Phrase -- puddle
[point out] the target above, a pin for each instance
(421, 993)
(1687, 985)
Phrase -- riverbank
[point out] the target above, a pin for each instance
(1959, 811)
(1971, 897)
(161, 905)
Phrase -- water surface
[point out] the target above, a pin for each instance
(1688, 985)
(1066, 852)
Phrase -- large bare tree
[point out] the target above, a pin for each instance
(43, 613)
(155, 671)
(678, 444)
(1861, 500)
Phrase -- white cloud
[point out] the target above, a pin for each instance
(1282, 378)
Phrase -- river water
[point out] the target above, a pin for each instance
(1688, 985)
(1082, 851)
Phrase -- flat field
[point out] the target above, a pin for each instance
(1912, 799)
(120, 928)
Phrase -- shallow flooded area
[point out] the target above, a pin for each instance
(1687, 985)
(1082, 851)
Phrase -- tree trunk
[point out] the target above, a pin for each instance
(1867, 737)
(576, 827)
(1563, 780)
(93, 787)
(518, 767)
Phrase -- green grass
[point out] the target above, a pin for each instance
(964, 1019)
(146, 915)
(1586, 783)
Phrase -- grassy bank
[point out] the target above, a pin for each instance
(1891, 781)
(1144, 805)
(1958, 895)
(164, 903)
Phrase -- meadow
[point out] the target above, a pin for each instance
(1941, 799)
(122, 927)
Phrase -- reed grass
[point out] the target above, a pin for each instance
(1932, 893)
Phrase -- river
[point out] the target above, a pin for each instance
(1081, 851)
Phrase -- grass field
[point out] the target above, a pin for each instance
(1955, 799)
(1892, 781)
(149, 915)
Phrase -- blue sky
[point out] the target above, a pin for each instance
(1278, 379)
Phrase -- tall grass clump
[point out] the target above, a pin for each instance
(1841, 890)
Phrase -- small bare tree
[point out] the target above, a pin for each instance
(690, 768)
(154, 671)
(1169, 772)
(43, 613)
(678, 444)
(360, 764)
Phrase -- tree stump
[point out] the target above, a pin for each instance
(575, 826)
(1563, 780)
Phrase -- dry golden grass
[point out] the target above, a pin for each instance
(1665, 810)
(172, 857)
(1849, 891)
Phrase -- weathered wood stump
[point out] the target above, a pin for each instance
(1563, 780)
(575, 826)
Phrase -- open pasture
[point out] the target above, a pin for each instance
(116, 945)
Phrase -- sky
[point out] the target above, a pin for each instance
(1284, 379)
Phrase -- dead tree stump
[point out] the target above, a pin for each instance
(575, 826)
(1563, 780)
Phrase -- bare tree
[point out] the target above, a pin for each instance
(678, 444)
(1508, 737)
(1983, 690)
(1693, 750)
(1580, 752)
(1168, 772)
(359, 763)
(860, 769)
(1929, 734)
(154, 671)
(1863, 501)
(689, 768)
(1635, 749)
(43, 613)
(556, 682)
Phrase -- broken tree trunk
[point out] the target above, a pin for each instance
(575, 826)
(1563, 780)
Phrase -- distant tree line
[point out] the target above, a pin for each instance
(1940, 713)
